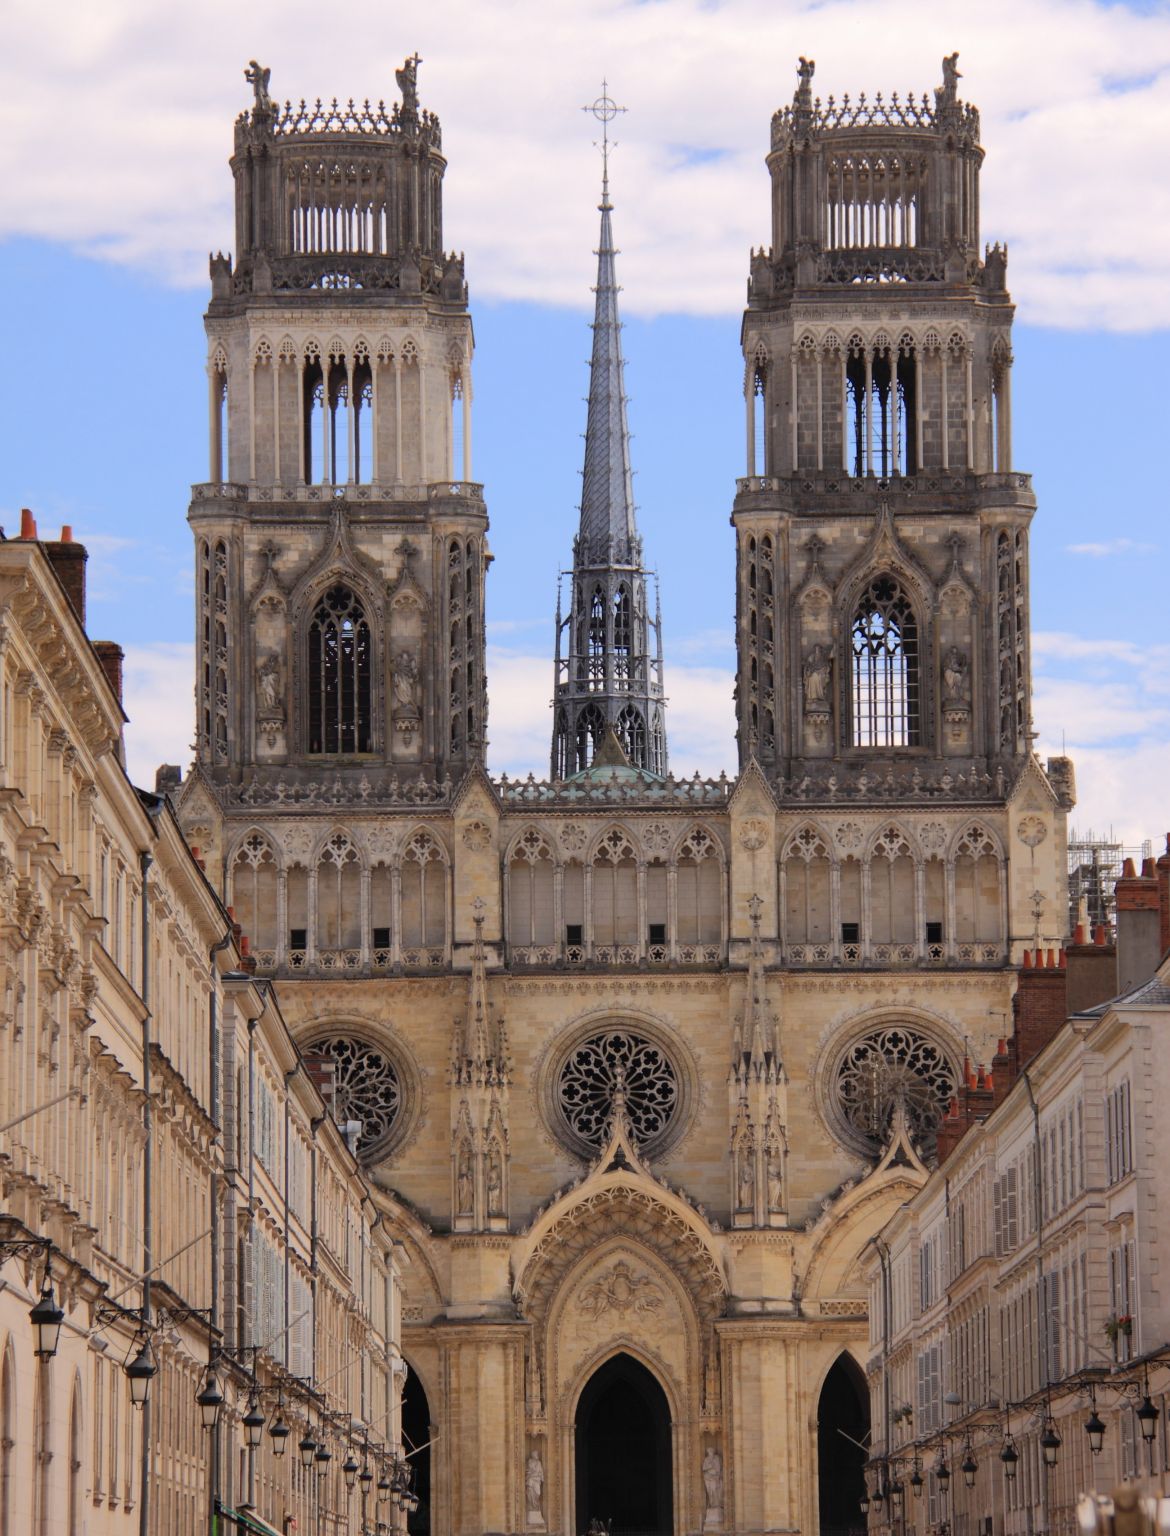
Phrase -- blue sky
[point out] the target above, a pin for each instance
(103, 401)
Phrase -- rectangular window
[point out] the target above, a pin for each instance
(851, 933)
(573, 933)
(1118, 1138)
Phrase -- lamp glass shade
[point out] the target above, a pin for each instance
(349, 1470)
(943, 1476)
(1147, 1417)
(969, 1468)
(323, 1457)
(916, 1481)
(141, 1371)
(279, 1432)
(1009, 1456)
(1050, 1443)
(308, 1449)
(1095, 1430)
(46, 1317)
(896, 1499)
(210, 1400)
(863, 1503)
(366, 1476)
(253, 1422)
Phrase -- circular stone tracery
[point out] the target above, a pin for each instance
(882, 1069)
(366, 1088)
(588, 1078)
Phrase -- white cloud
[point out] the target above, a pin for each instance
(158, 694)
(1111, 547)
(115, 128)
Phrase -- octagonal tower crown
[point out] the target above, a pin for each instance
(875, 190)
(340, 196)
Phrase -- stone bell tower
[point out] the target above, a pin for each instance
(882, 533)
(340, 544)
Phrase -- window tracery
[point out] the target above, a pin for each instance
(213, 626)
(1012, 642)
(885, 671)
(465, 684)
(340, 665)
(895, 1065)
(366, 1087)
(588, 1080)
(254, 893)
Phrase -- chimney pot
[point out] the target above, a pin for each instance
(28, 524)
(66, 533)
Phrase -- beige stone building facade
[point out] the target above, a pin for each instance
(171, 1178)
(1018, 1316)
(625, 1047)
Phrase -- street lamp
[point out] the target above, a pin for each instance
(1147, 1417)
(942, 1475)
(349, 1468)
(863, 1502)
(253, 1422)
(46, 1317)
(896, 1500)
(1050, 1443)
(307, 1448)
(366, 1476)
(141, 1372)
(969, 1467)
(210, 1399)
(916, 1479)
(322, 1458)
(1009, 1456)
(278, 1432)
(1095, 1430)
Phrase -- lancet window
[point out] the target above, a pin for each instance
(531, 899)
(595, 644)
(885, 667)
(880, 409)
(339, 896)
(615, 893)
(424, 894)
(699, 885)
(760, 691)
(254, 892)
(590, 733)
(213, 662)
(622, 637)
(1012, 625)
(340, 665)
(464, 682)
(631, 732)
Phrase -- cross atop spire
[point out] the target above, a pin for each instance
(604, 109)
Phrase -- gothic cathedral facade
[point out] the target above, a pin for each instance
(637, 1064)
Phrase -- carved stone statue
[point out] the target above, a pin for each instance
(713, 1478)
(268, 686)
(775, 1180)
(258, 79)
(406, 684)
(407, 78)
(534, 1484)
(955, 674)
(948, 95)
(817, 667)
(746, 1184)
(805, 70)
(465, 1182)
(495, 1183)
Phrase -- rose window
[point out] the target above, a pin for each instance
(883, 1069)
(366, 1087)
(589, 1077)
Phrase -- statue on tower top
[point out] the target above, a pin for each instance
(805, 69)
(407, 78)
(258, 78)
(947, 95)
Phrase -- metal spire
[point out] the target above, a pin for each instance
(608, 532)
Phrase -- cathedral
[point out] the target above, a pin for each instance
(636, 1064)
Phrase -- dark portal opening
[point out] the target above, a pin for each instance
(624, 1452)
(842, 1422)
(416, 1434)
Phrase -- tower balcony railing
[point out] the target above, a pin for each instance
(615, 956)
(353, 960)
(470, 491)
(767, 492)
(901, 955)
(626, 786)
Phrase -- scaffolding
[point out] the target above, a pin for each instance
(1094, 868)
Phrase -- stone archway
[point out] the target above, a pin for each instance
(417, 1433)
(623, 1459)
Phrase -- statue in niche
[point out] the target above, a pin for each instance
(534, 1484)
(465, 1182)
(775, 1180)
(406, 684)
(407, 78)
(713, 1478)
(495, 1183)
(258, 79)
(746, 1187)
(268, 686)
(955, 674)
(817, 667)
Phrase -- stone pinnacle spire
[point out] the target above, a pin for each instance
(608, 530)
(609, 675)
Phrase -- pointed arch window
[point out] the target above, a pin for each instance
(590, 732)
(597, 640)
(885, 673)
(631, 732)
(340, 661)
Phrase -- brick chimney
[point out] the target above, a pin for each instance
(68, 558)
(1092, 970)
(1163, 869)
(1139, 925)
(111, 656)
(1040, 1006)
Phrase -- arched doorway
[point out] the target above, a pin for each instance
(842, 1436)
(416, 1435)
(623, 1451)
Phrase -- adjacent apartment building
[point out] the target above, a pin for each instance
(185, 1237)
(1018, 1352)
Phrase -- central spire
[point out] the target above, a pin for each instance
(608, 531)
(611, 680)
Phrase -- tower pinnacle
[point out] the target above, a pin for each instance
(610, 678)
